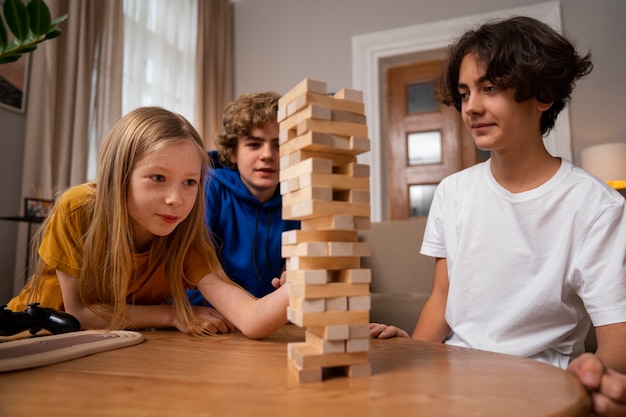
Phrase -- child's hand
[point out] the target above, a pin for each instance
(279, 282)
(382, 331)
(606, 386)
(211, 322)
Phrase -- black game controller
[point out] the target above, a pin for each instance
(35, 318)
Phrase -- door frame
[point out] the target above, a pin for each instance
(370, 50)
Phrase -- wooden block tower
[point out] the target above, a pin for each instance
(325, 188)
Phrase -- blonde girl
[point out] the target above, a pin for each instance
(120, 252)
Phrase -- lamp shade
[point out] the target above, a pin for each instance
(607, 162)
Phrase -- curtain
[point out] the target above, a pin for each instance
(67, 101)
(213, 67)
(159, 50)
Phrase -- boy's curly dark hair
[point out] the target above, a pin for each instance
(249, 111)
(523, 54)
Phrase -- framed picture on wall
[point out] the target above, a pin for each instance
(13, 84)
(37, 207)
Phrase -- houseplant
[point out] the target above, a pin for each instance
(30, 25)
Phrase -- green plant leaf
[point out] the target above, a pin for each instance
(10, 58)
(54, 33)
(39, 17)
(16, 17)
(3, 36)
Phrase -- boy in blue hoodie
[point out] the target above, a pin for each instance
(242, 199)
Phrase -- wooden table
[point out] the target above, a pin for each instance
(173, 374)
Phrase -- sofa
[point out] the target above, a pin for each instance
(401, 276)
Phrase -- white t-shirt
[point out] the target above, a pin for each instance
(528, 270)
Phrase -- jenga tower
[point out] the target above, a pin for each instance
(325, 188)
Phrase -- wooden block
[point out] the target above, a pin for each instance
(289, 186)
(336, 304)
(358, 331)
(361, 302)
(332, 102)
(358, 345)
(297, 236)
(349, 249)
(333, 332)
(346, 116)
(349, 94)
(325, 142)
(353, 169)
(284, 136)
(306, 85)
(307, 276)
(355, 276)
(329, 290)
(308, 166)
(318, 208)
(307, 305)
(358, 370)
(308, 193)
(327, 318)
(307, 357)
(334, 128)
(352, 196)
(330, 263)
(337, 159)
(335, 181)
(362, 223)
(305, 375)
(334, 222)
(305, 249)
(309, 112)
(324, 345)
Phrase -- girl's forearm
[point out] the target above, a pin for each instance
(137, 316)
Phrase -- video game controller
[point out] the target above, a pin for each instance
(35, 318)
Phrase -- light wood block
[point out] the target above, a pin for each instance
(334, 222)
(334, 263)
(362, 302)
(349, 94)
(329, 290)
(305, 375)
(353, 169)
(336, 182)
(354, 276)
(291, 237)
(334, 128)
(325, 142)
(324, 345)
(332, 332)
(358, 345)
(306, 357)
(349, 249)
(352, 196)
(303, 305)
(318, 208)
(336, 304)
(346, 116)
(338, 160)
(308, 166)
(305, 249)
(358, 370)
(308, 276)
(308, 193)
(309, 112)
(332, 102)
(304, 86)
(359, 331)
(326, 318)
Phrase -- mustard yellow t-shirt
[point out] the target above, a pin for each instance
(62, 249)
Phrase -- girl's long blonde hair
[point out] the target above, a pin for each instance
(107, 263)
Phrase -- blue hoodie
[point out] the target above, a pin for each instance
(246, 232)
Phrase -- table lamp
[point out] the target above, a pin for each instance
(607, 162)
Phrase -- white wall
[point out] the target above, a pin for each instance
(280, 42)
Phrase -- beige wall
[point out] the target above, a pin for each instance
(280, 42)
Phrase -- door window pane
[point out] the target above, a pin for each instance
(420, 98)
(424, 148)
(421, 197)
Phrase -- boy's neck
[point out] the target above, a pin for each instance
(523, 171)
